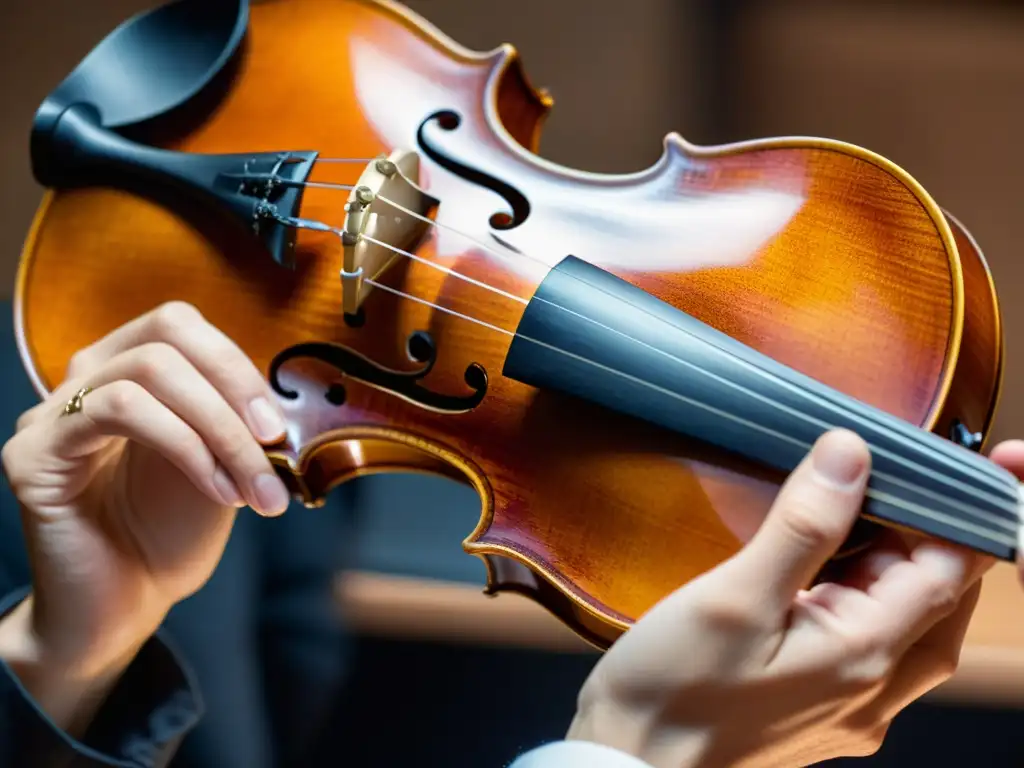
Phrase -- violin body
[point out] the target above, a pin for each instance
(820, 255)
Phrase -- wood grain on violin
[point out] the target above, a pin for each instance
(620, 448)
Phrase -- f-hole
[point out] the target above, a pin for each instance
(519, 206)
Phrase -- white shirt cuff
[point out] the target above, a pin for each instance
(577, 754)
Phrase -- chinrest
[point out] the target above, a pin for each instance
(154, 62)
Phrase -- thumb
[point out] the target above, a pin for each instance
(810, 519)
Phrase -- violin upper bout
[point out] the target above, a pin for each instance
(518, 106)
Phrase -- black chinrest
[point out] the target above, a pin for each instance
(146, 68)
(155, 61)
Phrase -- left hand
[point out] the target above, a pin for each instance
(742, 667)
(1010, 454)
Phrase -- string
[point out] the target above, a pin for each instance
(319, 184)
(794, 412)
(360, 160)
(446, 270)
(806, 417)
(447, 310)
(924, 491)
(721, 379)
(983, 472)
(916, 509)
(973, 511)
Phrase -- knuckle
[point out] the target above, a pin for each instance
(228, 438)
(189, 449)
(864, 643)
(81, 362)
(154, 361)
(870, 659)
(232, 447)
(120, 400)
(806, 525)
(942, 595)
(230, 369)
(26, 419)
(238, 449)
(9, 459)
(170, 320)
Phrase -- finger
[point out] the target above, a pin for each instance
(29, 417)
(862, 569)
(915, 594)
(809, 520)
(211, 351)
(125, 409)
(1010, 456)
(865, 568)
(929, 662)
(168, 376)
(868, 633)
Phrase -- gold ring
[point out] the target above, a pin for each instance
(74, 405)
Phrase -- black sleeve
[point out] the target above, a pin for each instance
(140, 725)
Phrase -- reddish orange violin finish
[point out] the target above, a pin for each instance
(824, 256)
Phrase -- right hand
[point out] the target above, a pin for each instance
(127, 505)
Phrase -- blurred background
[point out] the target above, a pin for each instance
(935, 85)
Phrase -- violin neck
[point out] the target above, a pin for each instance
(592, 335)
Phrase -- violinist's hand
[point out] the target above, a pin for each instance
(127, 504)
(743, 668)
(1011, 455)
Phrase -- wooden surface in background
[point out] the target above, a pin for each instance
(991, 666)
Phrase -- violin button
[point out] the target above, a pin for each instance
(959, 434)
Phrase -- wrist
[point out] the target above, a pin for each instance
(644, 735)
(67, 683)
(87, 639)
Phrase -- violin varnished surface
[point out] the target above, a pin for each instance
(825, 257)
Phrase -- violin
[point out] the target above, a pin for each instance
(624, 367)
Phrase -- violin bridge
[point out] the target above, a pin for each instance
(369, 213)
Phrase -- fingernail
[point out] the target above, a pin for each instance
(841, 457)
(227, 489)
(271, 495)
(265, 421)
